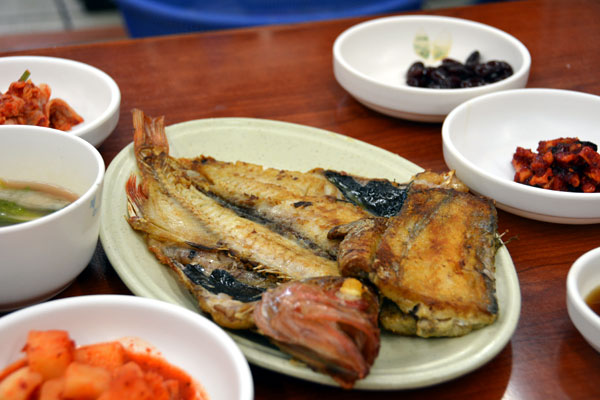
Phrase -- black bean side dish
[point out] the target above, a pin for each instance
(452, 74)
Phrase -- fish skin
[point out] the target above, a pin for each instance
(380, 197)
(301, 205)
(435, 261)
(224, 310)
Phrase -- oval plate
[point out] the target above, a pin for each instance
(403, 362)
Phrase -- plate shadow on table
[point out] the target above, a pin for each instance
(98, 277)
(268, 383)
(574, 356)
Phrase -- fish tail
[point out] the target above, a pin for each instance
(148, 133)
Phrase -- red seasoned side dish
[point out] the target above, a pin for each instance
(564, 164)
(54, 369)
(24, 103)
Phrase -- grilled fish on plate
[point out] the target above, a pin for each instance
(264, 249)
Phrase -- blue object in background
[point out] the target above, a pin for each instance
(162, 17)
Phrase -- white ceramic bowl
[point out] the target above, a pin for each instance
(89, 91)
(41, 257)
(583, 277)
(481, 135)
(370, 61)
(185, 338)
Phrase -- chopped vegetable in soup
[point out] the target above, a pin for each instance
(26, 201)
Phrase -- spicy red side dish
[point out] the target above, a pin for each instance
(55, 369)
(24, 103)
(565, 164)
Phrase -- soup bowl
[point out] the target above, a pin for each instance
(39, 258)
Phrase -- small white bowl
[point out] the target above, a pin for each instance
(481, 135)
(39, 258)
(370, 61)
(89, 91)
(583, 277)
(185, 338)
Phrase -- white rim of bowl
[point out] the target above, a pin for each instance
(84, 198)
(572, 290)
(247, 385)
(337, 54)
(115, 99)
(506, 183)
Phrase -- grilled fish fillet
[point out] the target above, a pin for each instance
(302, 206)
(434, 261)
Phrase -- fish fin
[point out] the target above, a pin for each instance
(148, 133)
(135, 197)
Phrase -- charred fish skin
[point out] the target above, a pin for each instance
(435, 261)
(380, 197)
(330, 323)
(216, 298)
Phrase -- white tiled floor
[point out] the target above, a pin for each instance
(29, 16)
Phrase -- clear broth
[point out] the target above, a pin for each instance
(25, 201)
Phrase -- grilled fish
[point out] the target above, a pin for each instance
(433, 262)
(263, 249)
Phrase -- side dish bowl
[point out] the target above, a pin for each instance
(370, 61)
(481, 135)
(41, 257)
(583, 277)
(186, 339)
(89, 91)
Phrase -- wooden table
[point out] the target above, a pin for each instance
(285, 73)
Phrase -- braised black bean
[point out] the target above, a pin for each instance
(451, 74)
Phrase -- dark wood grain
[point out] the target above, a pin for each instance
(285, 73)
